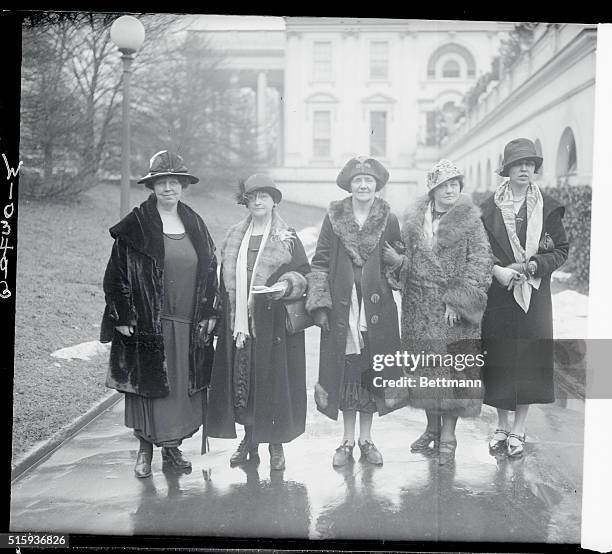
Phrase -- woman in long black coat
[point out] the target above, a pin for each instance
(352, 302)
(259, 373)
(528, 241)
(161, 307)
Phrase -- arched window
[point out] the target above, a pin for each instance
(471, 176)
(488, 180)
(567, 160)
(451, 69)
(457, 50)
(538, 147)
(478, 178)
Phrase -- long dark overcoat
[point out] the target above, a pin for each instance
(134, 290)
(341, 243)
(279, 410)
(519, 360)
(454, 271)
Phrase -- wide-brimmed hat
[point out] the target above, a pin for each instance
(441, 172)
(519, 149)
(362, 166)
(259, 181)
(165, 163)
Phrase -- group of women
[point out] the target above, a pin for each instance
(473, 281)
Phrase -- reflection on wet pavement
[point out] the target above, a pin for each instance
(88, 486)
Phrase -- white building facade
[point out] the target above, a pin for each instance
(547, 96)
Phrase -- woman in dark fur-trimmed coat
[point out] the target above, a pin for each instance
(353, 304)
(259, 373)
(444, 277)
(161, 294)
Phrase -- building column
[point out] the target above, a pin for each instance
(262, 86)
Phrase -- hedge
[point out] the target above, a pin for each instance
(577, 222)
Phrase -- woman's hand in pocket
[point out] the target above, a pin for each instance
(126, 330)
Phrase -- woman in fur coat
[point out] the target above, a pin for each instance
(161, 294)
(259, 373)
(444, 277)
(353, 304)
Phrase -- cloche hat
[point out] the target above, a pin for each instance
(165, 163)
(441, 172)
(519, 149)
(258, 181)
(362, 166)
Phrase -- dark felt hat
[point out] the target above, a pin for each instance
(362, 166)
(259, 181)
(519, 149)
(165, 163)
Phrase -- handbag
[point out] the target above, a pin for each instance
(296, 317)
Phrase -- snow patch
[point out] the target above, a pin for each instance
(570, 315)
(82, 351)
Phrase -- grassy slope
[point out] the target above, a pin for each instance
(62, 254)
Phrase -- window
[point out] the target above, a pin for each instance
(567, 159)
(379, 60)
(321, 131)
(431, 131)
(488, 176)
(451, 70)
(322, 58)
(378, 133)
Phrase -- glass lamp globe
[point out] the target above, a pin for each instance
(127, 33)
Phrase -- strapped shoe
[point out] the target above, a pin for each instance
(423, 442)
(343, 454)
(516, 450)
(277, 456)
(370, 452)
(143, 463)
(244, 451)
(172, 455)
(446, 452)
(499, 444)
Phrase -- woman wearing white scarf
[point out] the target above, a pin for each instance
(529, 242)
(258, 377)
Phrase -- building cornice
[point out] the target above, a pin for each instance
(579, 47)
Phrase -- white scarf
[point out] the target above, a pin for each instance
(244, 298)
(535, 219)
(356, 325)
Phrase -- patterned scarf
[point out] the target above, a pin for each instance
(535, 208)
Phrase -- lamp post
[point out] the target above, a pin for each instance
(127, 34)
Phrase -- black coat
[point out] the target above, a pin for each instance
(279, 399)
(519, 349)
(341, 243)
(134, 292)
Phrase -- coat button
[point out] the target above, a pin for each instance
(374, 320)
(277, 340)
(375, 298)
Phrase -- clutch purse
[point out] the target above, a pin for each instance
(296, 317)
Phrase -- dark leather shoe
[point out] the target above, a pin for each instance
(343, 454)
(244, 452)
(174, 456)
(370, 452)
(143, 464)
(277, 456)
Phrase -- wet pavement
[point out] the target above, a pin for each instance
(88, 486)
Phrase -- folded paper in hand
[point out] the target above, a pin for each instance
(262, 289)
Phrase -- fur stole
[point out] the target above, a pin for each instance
(142, 230)
(458, 222)
(359, 243)
(278, 251)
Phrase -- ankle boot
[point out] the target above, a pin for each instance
(143, 460)
(277, 456)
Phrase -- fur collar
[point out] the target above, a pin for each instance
(278, 251)
(142, 229)
(359, 243)
(453, 226)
